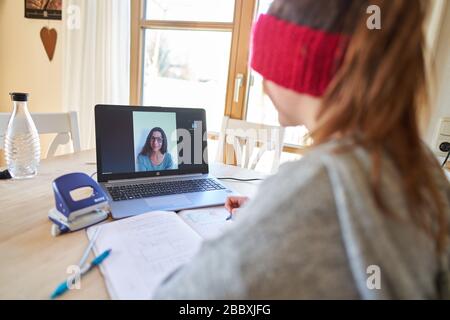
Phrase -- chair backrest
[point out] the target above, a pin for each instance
(65, 125)
(245, 137)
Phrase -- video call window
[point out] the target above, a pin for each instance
(155, 141)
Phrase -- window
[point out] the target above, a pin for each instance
(194, 53)
(187, 69)
(185, 53)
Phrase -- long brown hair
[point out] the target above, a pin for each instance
(376, 97)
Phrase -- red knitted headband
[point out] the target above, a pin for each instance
(296, 57)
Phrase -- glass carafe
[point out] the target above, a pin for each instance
(22, 146)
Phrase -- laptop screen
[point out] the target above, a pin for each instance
(137, 142)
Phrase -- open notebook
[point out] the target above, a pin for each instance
(149, 247)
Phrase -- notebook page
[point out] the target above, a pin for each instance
(145, 250)
(207, 222)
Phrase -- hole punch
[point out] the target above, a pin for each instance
(80, 202)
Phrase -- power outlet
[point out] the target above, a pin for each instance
(443, 135)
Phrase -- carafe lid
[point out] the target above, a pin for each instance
(19, 96)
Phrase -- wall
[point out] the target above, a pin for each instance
(24, 65)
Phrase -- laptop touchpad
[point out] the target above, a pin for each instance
(165, 201)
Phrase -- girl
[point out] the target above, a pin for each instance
(365, 213)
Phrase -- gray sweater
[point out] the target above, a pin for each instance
(313, 231)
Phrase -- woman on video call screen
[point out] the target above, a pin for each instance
(154, 155)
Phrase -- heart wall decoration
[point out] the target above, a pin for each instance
(49, 38)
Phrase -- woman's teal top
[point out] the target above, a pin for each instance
(144, 163)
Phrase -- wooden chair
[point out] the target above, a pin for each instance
(65, 125)
(245, 137)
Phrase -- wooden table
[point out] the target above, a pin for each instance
(32, 262)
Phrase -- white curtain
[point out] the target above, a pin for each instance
(96, 59)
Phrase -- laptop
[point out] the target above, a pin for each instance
(153, 159)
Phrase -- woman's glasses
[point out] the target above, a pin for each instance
(159, 140)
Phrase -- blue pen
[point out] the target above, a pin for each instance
(63, 287)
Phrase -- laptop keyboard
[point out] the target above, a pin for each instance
(138, 191)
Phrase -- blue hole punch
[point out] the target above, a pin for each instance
(71, 215)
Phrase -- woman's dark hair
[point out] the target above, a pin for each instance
(147, 149)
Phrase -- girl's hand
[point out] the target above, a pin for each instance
(234, 203)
